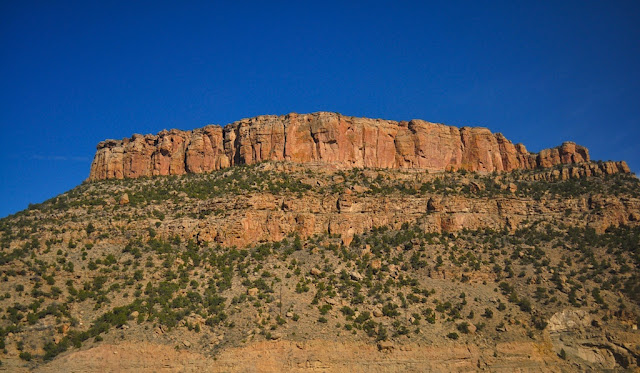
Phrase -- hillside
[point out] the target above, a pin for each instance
(309, 266)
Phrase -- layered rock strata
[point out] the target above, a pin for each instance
(312, 356)
(246, 219)
(327, 138)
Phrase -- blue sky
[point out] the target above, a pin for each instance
(75, 73)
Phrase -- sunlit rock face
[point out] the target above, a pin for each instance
(327, 138)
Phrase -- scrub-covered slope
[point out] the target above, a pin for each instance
(281, 266)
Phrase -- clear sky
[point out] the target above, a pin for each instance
(75, 73)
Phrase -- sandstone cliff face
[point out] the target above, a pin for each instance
(328, 138)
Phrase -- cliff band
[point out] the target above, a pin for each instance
(323, 137)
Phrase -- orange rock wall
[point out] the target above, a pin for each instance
(322, 137)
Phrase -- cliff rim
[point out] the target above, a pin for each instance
(325, 138)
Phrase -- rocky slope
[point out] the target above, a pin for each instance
(282, 266)
(353, 202)
(310, 356)
(327, 138)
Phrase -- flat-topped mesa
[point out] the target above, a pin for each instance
(322, 137)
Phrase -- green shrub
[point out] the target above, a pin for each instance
(563, 354)
(463, 327)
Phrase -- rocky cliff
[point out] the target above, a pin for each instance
(322, 137)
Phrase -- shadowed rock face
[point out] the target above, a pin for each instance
(322, 137)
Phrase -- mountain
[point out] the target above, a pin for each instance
(321, 242)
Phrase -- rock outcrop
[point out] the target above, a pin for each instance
(328, 138)
(310, 356)
(352, 208)
(574, 334)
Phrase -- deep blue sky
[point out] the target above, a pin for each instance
(75, 73)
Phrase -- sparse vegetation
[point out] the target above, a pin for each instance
(165, 263)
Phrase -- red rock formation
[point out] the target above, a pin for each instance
(322, 137)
